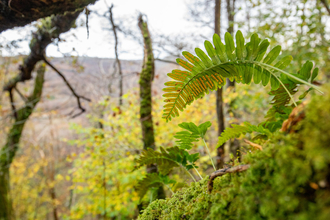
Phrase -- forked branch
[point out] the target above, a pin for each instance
(70, 87)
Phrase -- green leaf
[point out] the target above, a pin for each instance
(205, 59)
(315, 73)
(240, 45)
(272, 55)
(203, 128)
(306, 70)
(220, 48)
(230, 46)
(211, 52)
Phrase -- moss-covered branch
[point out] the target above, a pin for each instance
(16, 13)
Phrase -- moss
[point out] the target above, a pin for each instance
(289, 179)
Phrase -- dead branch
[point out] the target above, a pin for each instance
(70, 87)
(253, 144)
(114, 29)
(222, 172)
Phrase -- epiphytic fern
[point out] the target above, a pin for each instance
(236, 130)
(208, 72)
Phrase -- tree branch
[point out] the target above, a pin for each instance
(222, 172)
(326, 5)
(19, 13)
(70, 87)
(167, 61)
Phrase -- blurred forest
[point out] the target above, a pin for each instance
(75, 127)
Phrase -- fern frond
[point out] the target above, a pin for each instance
(244, 63)
(186, 139)
(167, 159)
(280, 103)
(152, 180)
(236, 130)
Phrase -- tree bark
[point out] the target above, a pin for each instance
(8, 152)
(219, 98)
(146, 78)
(17, 13)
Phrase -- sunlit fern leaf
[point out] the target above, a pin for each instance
(237, 130)
(152, 180)
(167, 159)
(208, 71)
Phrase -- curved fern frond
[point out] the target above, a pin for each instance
(244, 63)
(236, 130)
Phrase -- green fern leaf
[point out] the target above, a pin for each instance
(236, 130)
(167, 159)
(152, 180)
(244, 63)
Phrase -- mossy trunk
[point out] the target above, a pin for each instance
(146, 78)
(8, 151)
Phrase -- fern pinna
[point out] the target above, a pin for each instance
(209, 72)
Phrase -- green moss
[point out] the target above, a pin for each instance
(289, 179)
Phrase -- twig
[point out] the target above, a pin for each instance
(222, 172)
(167, 61)
(21, 95)
(12, 103)
(253, 144)
(70, 87)
(114, 28)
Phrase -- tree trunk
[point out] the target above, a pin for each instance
(146, 77)
(230, 16)
(8, 152)
(219, 98)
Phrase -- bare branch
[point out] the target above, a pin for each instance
(114, 29)
(167, 61)
(70, 87)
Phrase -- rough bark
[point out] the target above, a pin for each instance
(16, 13)
(114, 29)
(146, 78)
(8, 152)
(219, 98)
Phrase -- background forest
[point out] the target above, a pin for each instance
(82, 98)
